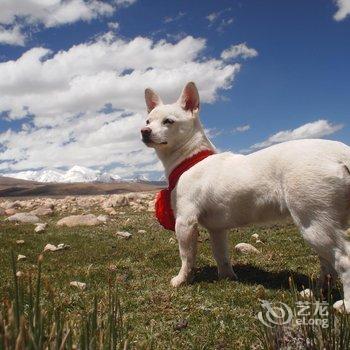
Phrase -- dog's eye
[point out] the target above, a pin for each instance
(168, 121)
(147, 121)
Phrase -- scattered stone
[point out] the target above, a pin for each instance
(52, 248)
(255, 236)
(42, 211)
(20, 241)
(12, 205)
(306, 294)
(110, 211)
(151, 206)
(79, 220)
(124, 234)
(24, 217)
(19, 274)
(142, 231)
(246, 248)
(21, 257)
(40, 227)
(182, 324)
(79, 285)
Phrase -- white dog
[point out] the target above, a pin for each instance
(308, 180)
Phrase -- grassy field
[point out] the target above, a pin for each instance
(219, 314)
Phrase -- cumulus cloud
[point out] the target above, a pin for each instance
(343, 9)
(49, 13)
(239, 50)
(85, 105)
(317, 129)
(12, 36)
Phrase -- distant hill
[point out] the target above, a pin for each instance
(11, 187)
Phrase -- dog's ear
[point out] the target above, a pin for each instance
(152, 99)
(189, 99)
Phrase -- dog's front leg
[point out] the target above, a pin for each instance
(187, 235)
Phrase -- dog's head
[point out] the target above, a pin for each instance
(170, 125)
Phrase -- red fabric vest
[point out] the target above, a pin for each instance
(164, 212)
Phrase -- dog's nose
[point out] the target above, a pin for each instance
(146, 132)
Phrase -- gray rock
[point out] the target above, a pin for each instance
(79, 220)
(24, 217)
(42, 211)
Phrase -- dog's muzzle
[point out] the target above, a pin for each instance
(146, 134)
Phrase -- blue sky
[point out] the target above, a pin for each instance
(285, 75)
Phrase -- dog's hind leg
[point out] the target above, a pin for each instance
(187, 235)
(331, 245)
(342, 266)
(220, 247)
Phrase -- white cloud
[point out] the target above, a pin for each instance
(125, 3)
(213, 16)
(224, 23)
(343, 9)
(317, 129)
(175, 18)
(12, 36)
(50, 13)
(85, 105)
(241, 128)
(239, 50)
(113, 25)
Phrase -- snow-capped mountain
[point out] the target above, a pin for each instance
(74, 174)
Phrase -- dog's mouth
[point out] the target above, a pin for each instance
(149, 143)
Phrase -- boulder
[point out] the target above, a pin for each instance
(42, 211)
(10, 211)
(79, 220)
(24, 217)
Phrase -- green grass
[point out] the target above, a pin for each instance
(220, 314)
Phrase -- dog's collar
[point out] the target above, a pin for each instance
(164, 212)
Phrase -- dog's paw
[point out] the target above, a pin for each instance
(178, 281)
(342, 306)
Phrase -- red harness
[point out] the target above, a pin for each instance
(164, 212)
